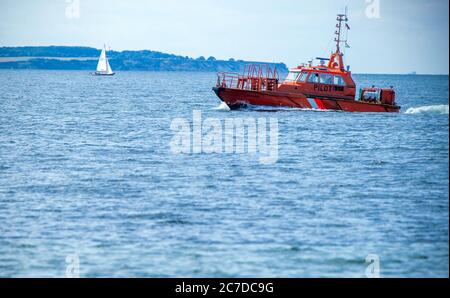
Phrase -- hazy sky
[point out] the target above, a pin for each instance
(409, 35)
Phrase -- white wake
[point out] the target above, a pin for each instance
(436, 109)
(223, 107)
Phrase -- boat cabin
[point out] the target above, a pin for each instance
(329, 81)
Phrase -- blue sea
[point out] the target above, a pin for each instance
(87, 173)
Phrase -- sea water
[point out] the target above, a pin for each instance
(88, 183)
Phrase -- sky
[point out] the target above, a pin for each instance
(386, 36)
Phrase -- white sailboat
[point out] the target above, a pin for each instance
(103, 67)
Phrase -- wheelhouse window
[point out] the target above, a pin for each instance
(339, 81)
(326, 79)
(302, 77)
(292, 76)
(313, 78)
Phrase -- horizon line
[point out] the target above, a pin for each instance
(236, 59)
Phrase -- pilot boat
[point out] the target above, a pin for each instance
(326, 86)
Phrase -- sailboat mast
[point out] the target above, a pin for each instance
(106, 59)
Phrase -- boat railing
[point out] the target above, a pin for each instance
(254, 78)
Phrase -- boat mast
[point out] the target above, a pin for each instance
(106, 59)
(340, 18)
(338, 55)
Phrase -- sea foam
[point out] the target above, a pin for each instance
(223, 107)
(436, 109)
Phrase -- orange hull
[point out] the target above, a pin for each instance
(236, 98)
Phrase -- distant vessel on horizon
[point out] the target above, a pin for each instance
(103, 67)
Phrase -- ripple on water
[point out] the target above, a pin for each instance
(86, 168)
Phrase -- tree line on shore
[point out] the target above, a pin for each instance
(85, 58)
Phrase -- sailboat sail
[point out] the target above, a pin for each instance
(108, 67)
(103, 64)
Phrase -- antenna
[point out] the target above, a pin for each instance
(340, 19)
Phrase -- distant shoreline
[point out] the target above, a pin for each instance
(85, 58)
(212, 71)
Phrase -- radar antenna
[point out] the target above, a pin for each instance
(336, 59)
(341, 18)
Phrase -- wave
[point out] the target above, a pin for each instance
(436, 109)
(223, 107)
